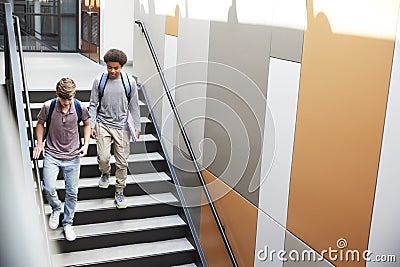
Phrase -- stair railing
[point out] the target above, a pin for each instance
(189, 148)
(30, 126)
(16, 85)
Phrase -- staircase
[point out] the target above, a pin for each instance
(151, 231)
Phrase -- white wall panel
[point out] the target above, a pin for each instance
(282, 92)
(385, 231)
(114, 32)
(167, 125)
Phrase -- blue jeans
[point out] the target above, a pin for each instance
(70, 170)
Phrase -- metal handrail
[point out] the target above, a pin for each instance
(30, 125)
(187, 142)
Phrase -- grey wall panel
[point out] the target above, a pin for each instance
(236, 103)
(191, 79)
(298, 254)
(287, 44)
(288, 29)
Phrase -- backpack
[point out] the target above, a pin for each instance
(78, 109)
(102, 85)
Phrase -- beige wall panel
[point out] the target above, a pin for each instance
(239, 218)
(342, 102)
(172, 23)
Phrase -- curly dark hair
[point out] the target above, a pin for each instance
(115, 55)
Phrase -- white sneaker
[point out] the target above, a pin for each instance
(69, 232)
(54, 219)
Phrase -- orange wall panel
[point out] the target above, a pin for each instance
(172, 23)
(239, 218)
(342, 103)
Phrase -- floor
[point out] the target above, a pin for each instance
(43, 70)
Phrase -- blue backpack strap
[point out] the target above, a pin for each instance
(78, 109)
(48, 121)
(127, 84)
(102, 85)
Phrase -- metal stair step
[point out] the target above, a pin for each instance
(92, 160)
(142, 120)
(131, 201)
(186, 265)
(142, 138)
(124, 226)
(113, 254)
(131, 179)
(149, 232)
(38, 105)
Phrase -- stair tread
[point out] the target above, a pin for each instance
(131, 179)
(124, 226)
(186, 265)
(140, 157)
(131, 201)
(142, 120)
(122, 252)
(142, 138)
(38, 105)
(92, 228)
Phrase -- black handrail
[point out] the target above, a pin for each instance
(187, 142)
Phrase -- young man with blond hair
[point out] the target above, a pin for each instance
(62, 150)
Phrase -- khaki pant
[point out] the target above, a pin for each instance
(121, 140)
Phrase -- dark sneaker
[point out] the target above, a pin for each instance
(69, 232)
(120, 200)
(104, 180)
(54, 219)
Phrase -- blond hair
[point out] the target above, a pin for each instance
(66, 88)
